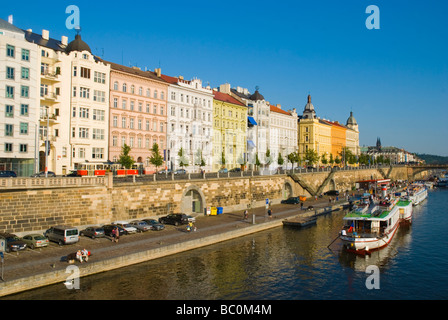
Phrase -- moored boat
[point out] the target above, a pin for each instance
(417, 192)
(372, 225)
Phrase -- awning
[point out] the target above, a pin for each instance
(250, 144)
(252, 121)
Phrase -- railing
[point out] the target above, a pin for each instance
(50, 182)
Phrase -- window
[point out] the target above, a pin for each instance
(23, 128)
(123, 141)
(161, 110)
(132, 89)
(131, 142)
(154, 109)
(43, 90)
(140, 91)
(9, 92)
(173, 110)
(25, 73)
(85, 73)
(162, 95)
(124, 87)
(161, 126)
(10, 51)
(131, 123)
(99, 96)
(84, 112)
(9, 73)
(115, 102)
(148, 93)
(173, 96)
(115, 121)
(139, 124)
(23, 148)
(25, 91)
(99, 77)
(25, 55)
(132, 105)
(9, 111)
(98, 115)
(84, 92)
(24, 109)
(98, 134)
(123, 122)
(115, 85)
(75, 71)
(9, 130)
(114, 141)
(155, 94)
(74, 91)
(83, 133)
(8, 147)
(82, 153)
(123, 104)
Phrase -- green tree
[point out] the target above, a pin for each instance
(323, 159)
(280, 160)
(183, 160)
(223, 159)
(125, 159)
(268, 157)
(199, 159)
(331, 159)
(312, 157)
(337, 160)
(156, 158)
(257, 161)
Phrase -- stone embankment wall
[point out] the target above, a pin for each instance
(28, 210)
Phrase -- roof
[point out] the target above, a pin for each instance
(77, 45)
(134, 71)
(278, 110)
(256, 96)
(50, 43)
(169, 79)
(5, 25)
(226, 98)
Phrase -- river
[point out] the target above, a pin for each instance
(286, 264)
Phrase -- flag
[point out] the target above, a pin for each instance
(352, 227)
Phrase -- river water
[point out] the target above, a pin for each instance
(287, 264)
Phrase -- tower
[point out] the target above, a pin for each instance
(308, 112)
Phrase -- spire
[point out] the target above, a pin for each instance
(308, 112)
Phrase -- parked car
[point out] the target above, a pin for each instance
(13, 242)
(93, 232)
(109, 227)
(331, 193)
(174, 218)
(235, 170)
(35, 240)
(191, 218)
(180, 171)
(154, 224)
(291, 200)
(128, 229)
(140, 225)
(168, 171)
(42, 174)
(72, 173)
(7, 174)
(62, 234)
(223, 170)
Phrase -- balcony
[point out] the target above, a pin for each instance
(50, 76)
(49, 96)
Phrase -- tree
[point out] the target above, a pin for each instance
(156, 158)
(125, 159)
(294, 157)
(199, 159)
(337, 160)
(257, 161)
(223, 159)
(323, 159)
(280, 160)
(312, 157)
(331, 159)
(268, 157)
(183, 160)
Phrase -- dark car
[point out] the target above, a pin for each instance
(73, 173)
(332, 193)
(7, 174)
(93, 232)
(292, 200)
(154, 224)
(175, 219)
(42, 174)
(13, 242)
(180, 171)
(109, 227)
(235, 170)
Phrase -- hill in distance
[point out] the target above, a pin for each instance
(433, 159)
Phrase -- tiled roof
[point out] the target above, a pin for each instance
(278, 110)
(134, 71)
(226, 98)
(51, 43)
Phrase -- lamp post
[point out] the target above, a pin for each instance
(47, 144)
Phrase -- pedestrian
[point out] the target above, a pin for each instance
(79, 256)
(116, 234)
(301, 205)
(246, 215)
(85, 255)
(270, 213)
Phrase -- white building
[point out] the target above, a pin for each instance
(19, 83)
(190, 126)
(282, 135)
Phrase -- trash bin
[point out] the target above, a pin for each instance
(219, 211)
(213, 211)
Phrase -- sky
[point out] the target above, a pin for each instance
(394, 79)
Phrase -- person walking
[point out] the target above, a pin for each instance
(245, 215)
(270, 213)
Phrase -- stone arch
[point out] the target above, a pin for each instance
(288, 190)
(193, 200)
(332, 185)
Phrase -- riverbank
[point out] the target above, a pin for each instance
(41, 267)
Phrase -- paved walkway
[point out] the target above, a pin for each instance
(43, 260)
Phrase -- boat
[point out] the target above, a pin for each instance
(300, 222)
(372, 225)
(442, 183)
(417, 192)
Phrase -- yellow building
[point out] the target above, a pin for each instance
(229, 131)
(329, 138)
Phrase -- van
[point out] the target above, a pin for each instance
(63, 234)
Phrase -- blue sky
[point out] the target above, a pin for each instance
(395, 79)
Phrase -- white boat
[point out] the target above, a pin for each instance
(371, 226)
(417, 192)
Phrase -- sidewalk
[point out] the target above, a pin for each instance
(31, 265)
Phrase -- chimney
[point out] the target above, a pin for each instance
(64, 40)
(225, 88)
(45, 34)
(10, 19)
(158, 72)
(136, 68)
(279, 106)
(181, 77)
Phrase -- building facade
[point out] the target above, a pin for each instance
(19, 90)
(138, 113)
(190, 124)
(229, 132)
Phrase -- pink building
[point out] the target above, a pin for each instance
(138, 113)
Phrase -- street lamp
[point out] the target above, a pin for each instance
(47, 144)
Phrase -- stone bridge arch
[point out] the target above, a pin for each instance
(193, 200)
(288, 190)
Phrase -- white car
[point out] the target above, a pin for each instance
(126, 226)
